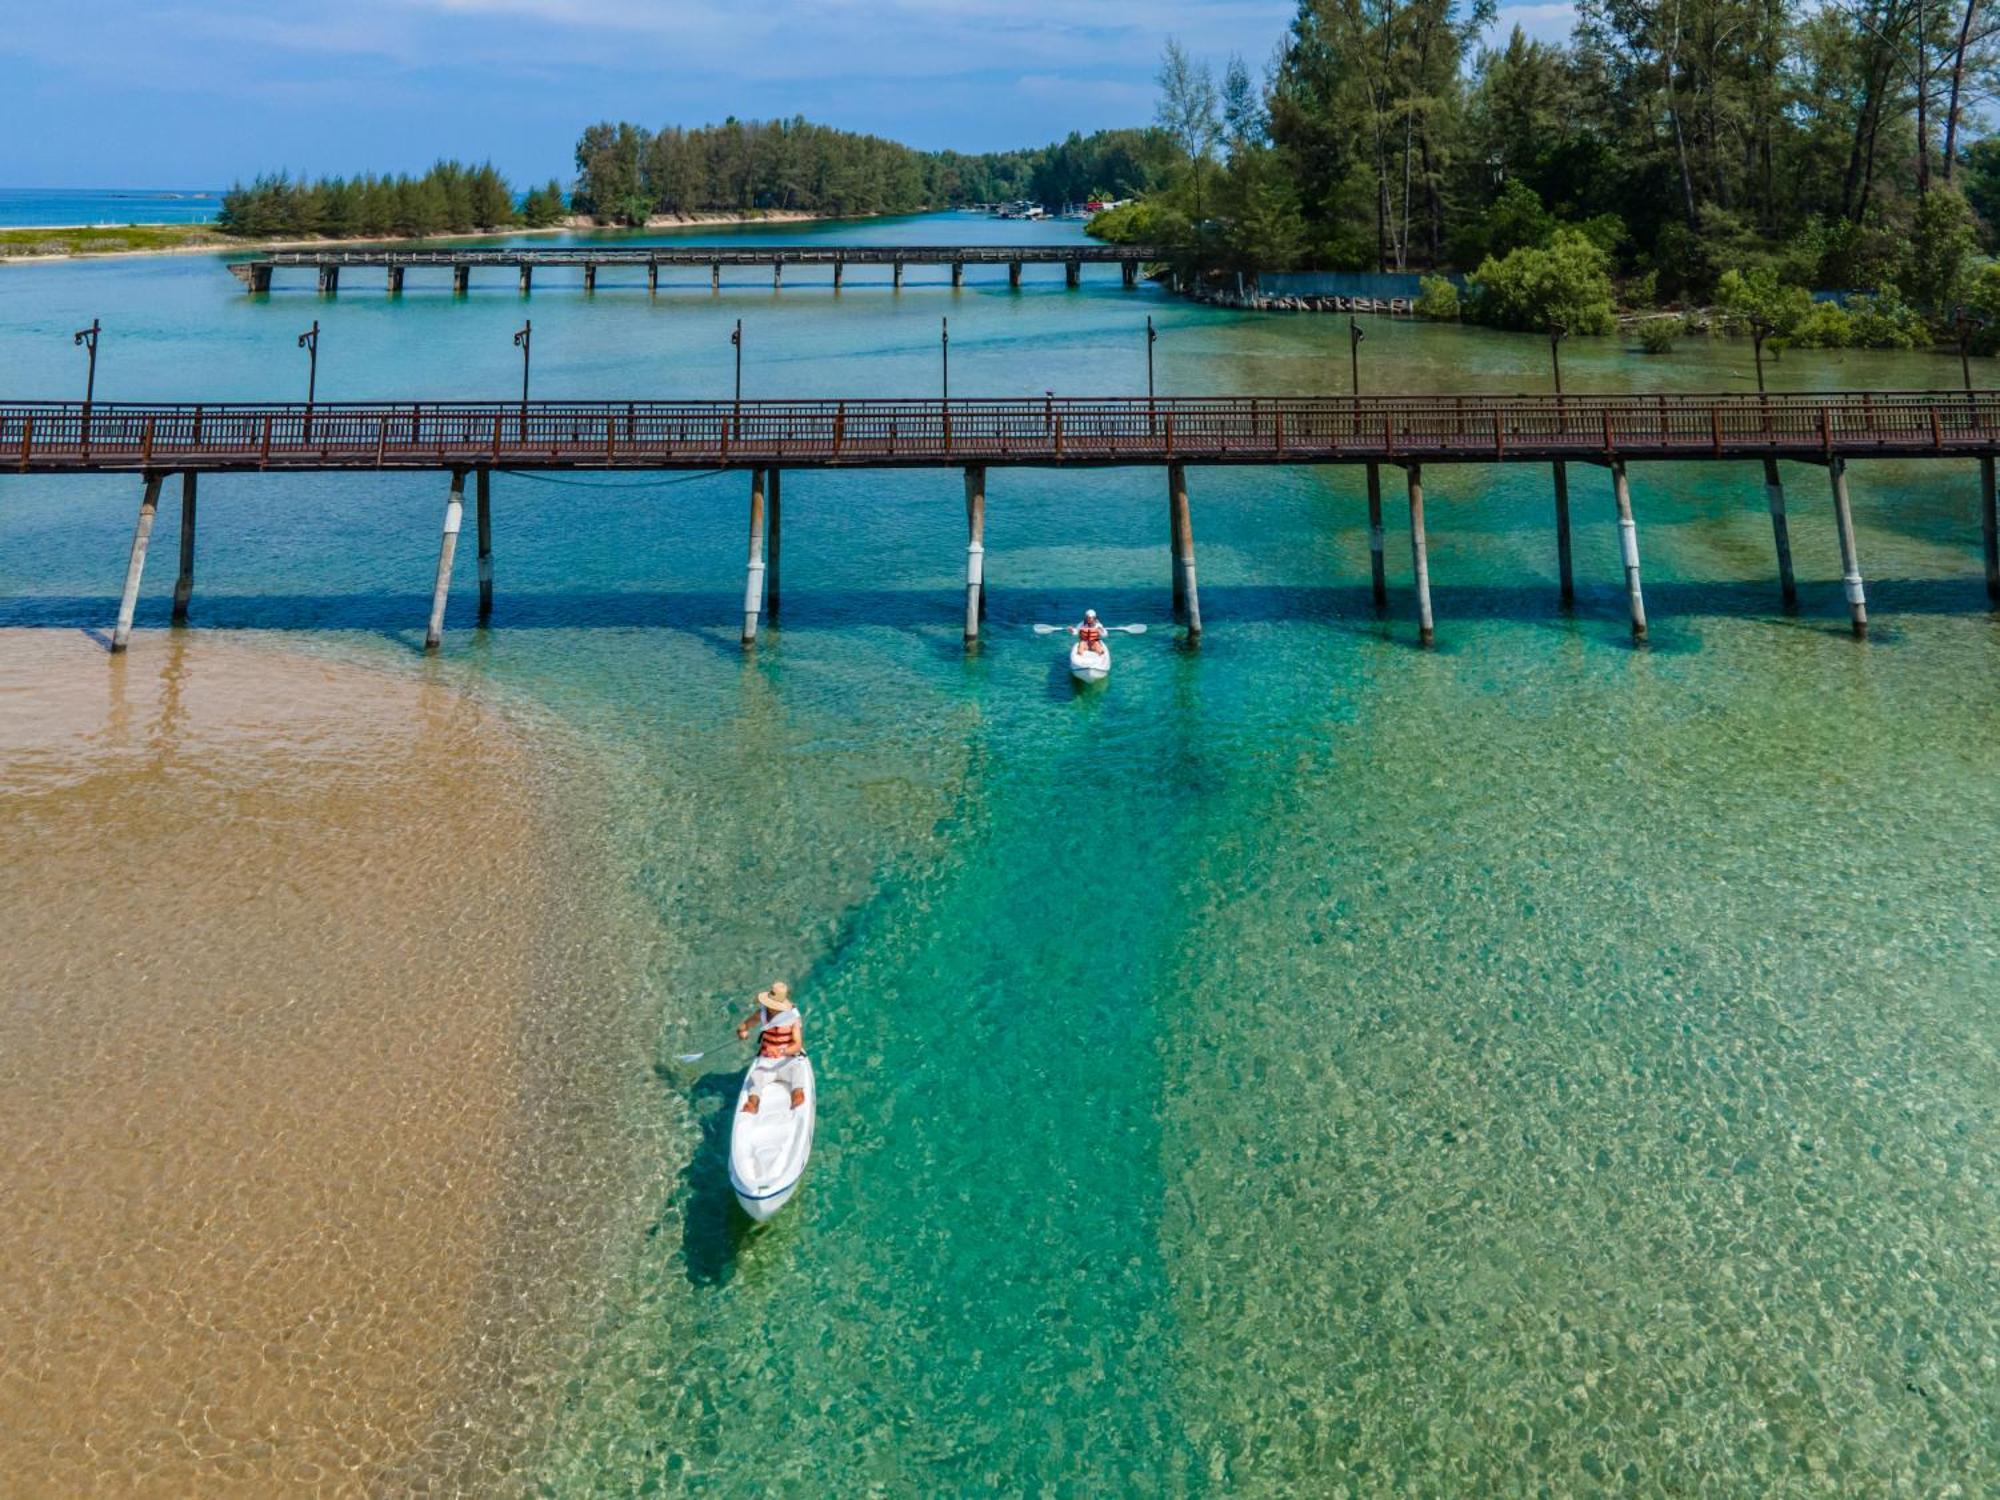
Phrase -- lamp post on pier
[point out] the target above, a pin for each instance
(87, 337)
(1355, 334)
(736, 339)
(1761, 328)
(524, 338)
(309, 341)
(1558, 331)
(944, 351)
(1965, 322)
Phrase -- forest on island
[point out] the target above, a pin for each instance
(451, 198)
(1740, 151)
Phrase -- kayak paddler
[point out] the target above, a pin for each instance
(1090, 633)
(783, 1042)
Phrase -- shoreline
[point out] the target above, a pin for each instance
(220, 244)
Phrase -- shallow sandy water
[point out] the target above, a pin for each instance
(276, 1033)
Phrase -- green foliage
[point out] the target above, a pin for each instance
(1825, 326)
(1942, 243)
(451, 198)
(1884, 321)
(1437, 299)
(1146, 221)
(1745, 296)
(1982, 300)
(543, 206)
(1568, 282)
(1657, 335)
(1643, 290)
(1515, 220)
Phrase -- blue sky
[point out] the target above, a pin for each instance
(195, 93)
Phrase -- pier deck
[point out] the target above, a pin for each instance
(65, 436)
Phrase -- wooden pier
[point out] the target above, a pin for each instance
(1414, 433)
(256, 272)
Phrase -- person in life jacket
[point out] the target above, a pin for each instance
(782, 1041)
(1090, 633)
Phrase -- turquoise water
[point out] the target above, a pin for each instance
(1304, 1064)
(30, 206)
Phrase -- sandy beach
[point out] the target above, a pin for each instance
(277, 923)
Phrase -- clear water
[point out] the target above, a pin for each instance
(1303, 1064)
(32, 206)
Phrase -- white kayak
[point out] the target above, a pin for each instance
(1086, 665)
(768, 1150)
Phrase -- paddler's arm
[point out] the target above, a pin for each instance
(743, 1026)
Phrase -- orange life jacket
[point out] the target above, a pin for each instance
(1090, 635)
(778, 1041)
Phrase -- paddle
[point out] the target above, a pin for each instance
(1109, 629)
(784, 1017)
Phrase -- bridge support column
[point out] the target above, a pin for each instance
(1420, 556)
(1131, 271)
(975, 549)
(1378, 573)
(715, 276)
(839, 268)
(454, 514)
(1628, 549)
(777, 537)
(1072, 273)
(1566, 580)
(461, 280)
(957, 274)
(896, 276)
(652, 278)
(777, 274)
(395, 281)
(1989, 525)
(1183, 543)
(135, 567)
(184, 584)
(753, 583)
(1014, 274)
(1781, 533)
(1850, 560)
(329, 280)
(483, 498)
(259, 279)
(527, 279)
(589, 278)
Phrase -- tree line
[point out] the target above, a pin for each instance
(625, 172)
(451, 198)
(1829, 143)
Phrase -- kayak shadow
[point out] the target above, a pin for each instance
(715, 1228)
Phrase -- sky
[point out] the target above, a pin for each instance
(200, 93)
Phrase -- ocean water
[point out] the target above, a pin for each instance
(1302, 1064)
(21, 207)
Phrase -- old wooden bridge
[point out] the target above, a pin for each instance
(255, 273)
(766, 437)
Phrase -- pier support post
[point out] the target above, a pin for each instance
(1072, 273)
(1989, 525)
(777, 274)
(395, 281)
(259, 279)
(715, 276)
(753, 583)
(1567, 581)
(1850, 560)
(1131, 270)
(839, 270)
(454, 513)
(461, 280)
(527, 278)
(1378, 573)
(483, 500)
(975, 549)
(1628, 549)
(589, 278)
(1014, 274)
(957, 274)
(1781, 534)
(896, 276)
(1187, 595)
(652, 278)
(1420, 560)
(329, 280)
(135, 567)
(184, 584)
(777, 537)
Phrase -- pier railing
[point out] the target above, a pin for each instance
(55, 436)
(749, 253)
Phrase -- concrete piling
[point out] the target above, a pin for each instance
(652, 278)
(589, 278)
(975, 550)
(1628, 549)
(896, 276)
(1131, 272)
(839, 270)
(1781, 533)
(454, 514)
(753, 582)
(1566, 579)
(395, 281)
(1420, 556)
(135, 566)
(715, 276)
(1014, 274)
(259, 279)
(1072, 273)
(527, 278)
(461, 280)
(329, 280)
(483, 500)
(184, 584)
(777, 274)
(1183, 543)
(1378, 573)
(1850, 560)
(957, 274)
